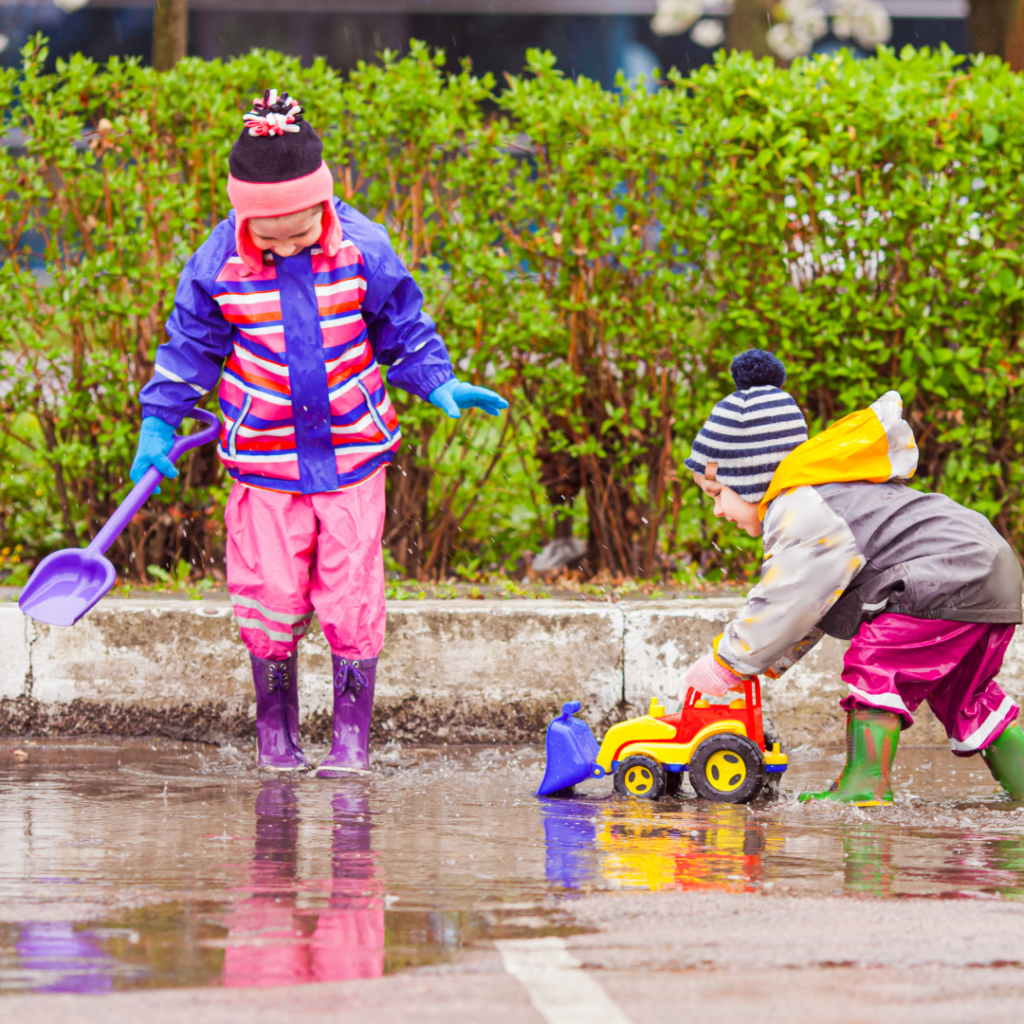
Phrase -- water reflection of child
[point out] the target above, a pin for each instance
(298, 298)
(273, 941)
(925, 589)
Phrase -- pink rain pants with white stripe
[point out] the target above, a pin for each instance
(289, 555)
(895, 662)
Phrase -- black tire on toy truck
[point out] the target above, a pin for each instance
(727, 769)
(641, 777)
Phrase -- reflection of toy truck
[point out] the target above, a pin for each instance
(722, 746)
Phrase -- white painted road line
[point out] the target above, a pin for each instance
(560, 990)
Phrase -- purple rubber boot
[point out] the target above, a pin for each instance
(277, 714)
(353, 707)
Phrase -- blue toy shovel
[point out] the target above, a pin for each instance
(571, 748)
(68, 583)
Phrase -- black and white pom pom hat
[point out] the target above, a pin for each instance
(752, 430)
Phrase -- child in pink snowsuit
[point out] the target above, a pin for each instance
(293, 303)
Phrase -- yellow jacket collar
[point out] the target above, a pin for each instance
(874, 444)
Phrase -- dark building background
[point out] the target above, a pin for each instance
(597, 46)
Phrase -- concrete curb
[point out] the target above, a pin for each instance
(451, 671)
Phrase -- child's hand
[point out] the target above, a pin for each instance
(456, 395)
(710, 677)
(155, 441)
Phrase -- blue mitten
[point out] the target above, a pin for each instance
(155, 440)
(456, 395)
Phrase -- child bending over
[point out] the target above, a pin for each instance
(926, 590)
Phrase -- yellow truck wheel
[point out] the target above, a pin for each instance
(640, 777)
(727, 769)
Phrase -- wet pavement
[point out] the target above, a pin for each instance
(144, 865)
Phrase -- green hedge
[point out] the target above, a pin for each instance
(598, 256)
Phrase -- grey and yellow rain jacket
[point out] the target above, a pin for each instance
(845, 540)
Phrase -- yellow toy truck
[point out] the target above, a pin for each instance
(722, 746)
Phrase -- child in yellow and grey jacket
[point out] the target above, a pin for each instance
(926, 590)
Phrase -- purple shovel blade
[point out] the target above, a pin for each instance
(66, 584)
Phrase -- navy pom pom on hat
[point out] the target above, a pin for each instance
(752, 430)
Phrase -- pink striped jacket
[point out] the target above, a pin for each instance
(298, 349)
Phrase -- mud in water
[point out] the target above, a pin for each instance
(151, 864)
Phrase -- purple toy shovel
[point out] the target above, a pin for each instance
(68, 583)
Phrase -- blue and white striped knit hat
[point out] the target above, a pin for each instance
(752, 430)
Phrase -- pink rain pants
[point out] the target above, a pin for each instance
(895, 662)
(292, 554)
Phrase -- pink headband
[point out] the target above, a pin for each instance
(277, 199)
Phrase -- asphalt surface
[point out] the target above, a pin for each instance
(173, 882)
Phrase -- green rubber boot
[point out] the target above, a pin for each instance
(1005, 759)
(871, 738)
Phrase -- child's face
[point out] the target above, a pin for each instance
(289, 234)
(729, 505)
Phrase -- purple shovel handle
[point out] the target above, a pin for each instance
(139, 494)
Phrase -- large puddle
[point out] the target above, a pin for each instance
(141, 864)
